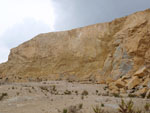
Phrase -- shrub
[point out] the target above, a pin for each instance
(76, 92)
(98, 109)
(85, 93)
(116, 95)
(13, 87)
(82, 97)
(3, 95)
(127, 107)
(80, 106)
(65, 111)
(96, 92)
(67, 92)
(44, 88)
(147, 107)
(17, 93)
(102, 105)
(54, 88)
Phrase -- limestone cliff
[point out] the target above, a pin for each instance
(95, 52)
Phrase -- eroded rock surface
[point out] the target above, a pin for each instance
(97, 52)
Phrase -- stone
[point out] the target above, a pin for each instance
(112, 86)
(131, 91)
(148, 94)
(141, 72)
(126, 77)
(142, 92)
(114, 91)
(101, 82)
(133, 82)
(122, 91)
(109, 80)
(120, 84)
(146, 83)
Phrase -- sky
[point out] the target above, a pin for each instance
(21, 20)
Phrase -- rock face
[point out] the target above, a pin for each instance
(133, 83)
(95, 52)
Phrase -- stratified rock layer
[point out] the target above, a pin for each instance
(96, 52)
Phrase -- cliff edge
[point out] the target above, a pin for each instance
(96, 53)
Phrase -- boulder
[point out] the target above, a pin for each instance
(119, 83)
(142, 92)
(141, 72)
(109, 80)
(133, 82)
(148, 94)
(122, 91)
(146, 83)
(114, 91)
(126, 77)
(112, 86)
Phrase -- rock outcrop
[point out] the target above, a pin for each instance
(117, 49)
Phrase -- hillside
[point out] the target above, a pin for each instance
(96, 53)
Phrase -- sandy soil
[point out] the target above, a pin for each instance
(54, 96)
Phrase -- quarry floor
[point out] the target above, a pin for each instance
(55, 96)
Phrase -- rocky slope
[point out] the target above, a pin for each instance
(102, 53)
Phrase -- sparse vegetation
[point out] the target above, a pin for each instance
(65, 111)
(105, 88)
(44, 88)
(80, 106)
(105, 94)
(67, 92)
(54, 88)
(131, 95)
(17, 93)
(147, 107)
(127, 107)
(102, 105)
(105, 104)
(96, 92)
(148, 96)
(73, 109)
(29, 91)
(143, 95)
(116, 95)
(3, 95)
(98, 109)
(82, 97)
(85, 93)
(76, 92)
(124, 107)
